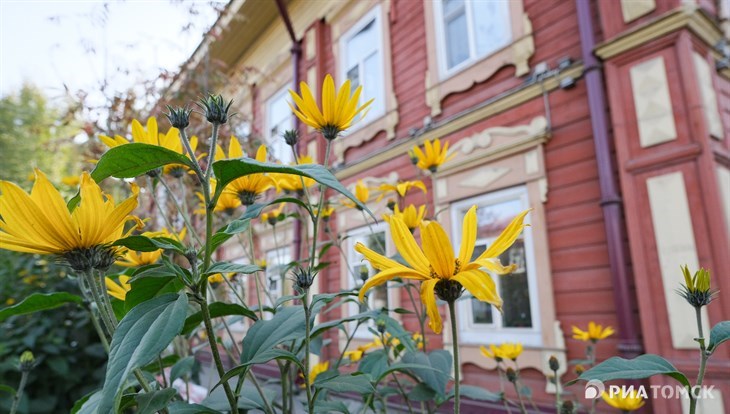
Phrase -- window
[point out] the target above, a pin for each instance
(518, 321)
(278, 120)
(377, 297)
(277, 266)
(470, 30)
(361, 51)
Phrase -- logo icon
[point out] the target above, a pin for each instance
(594, 389)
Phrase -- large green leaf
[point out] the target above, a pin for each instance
(287, 324)
(146, 288)
(140, 337)
(323, 327)
(357, 383)
(374, 363)
(131, 160)
(217, 309)
(643, 366)
(182, 368)
(249, 399)
(477, 393)
(433, 369)
(228, 170)
(39, 302)
(181, 407)
(719, 334)
(225, 267)
(150, 403)
(88, 404)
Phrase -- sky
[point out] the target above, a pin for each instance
(58, 44)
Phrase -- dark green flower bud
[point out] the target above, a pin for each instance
(216, 109)
(291, 136)
(554, 364)
(511, 375)
(364, 273)
(567, 407)
(179, 117)
(303, 279)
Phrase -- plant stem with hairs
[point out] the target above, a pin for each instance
(455, 343)
(19, 393)
(703, 360)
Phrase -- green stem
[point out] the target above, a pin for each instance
(455, 341)
(194, 160)
(500, 374)
(419, 314)
(315, 224)
(214, 349)
(703, 361)
(211, 153)
(557, 389)
(347, 344)
(162, 371)
(19, 392)
(183, 213)
(307, 334)
(523, 410)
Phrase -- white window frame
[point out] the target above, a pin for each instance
(444, 71)
(378, 105)
(281, 252)
(273, 141)
(476, 333)
(353, 260)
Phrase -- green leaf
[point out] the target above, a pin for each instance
(259, 343)
(358, 383)
(225, 267)
(137, 243)
(249, 399)
(323, 327)
(330, 407)
(643, 366)
(434, 370)
(719, 334)
(396, 330)
(477, 393)
(374, 363)
(181, 407)
(143, 333)
(154, 366)
(147, 288)
(261, 359)
(217, 309)
(150, 403)
(39, 302)
(182, 368)
(7, 389)
(132, 160)
(88, 404)
(228, 170)
(422, 392)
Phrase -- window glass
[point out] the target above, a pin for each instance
(279, 119)
(363, 63)
(277, 265)
(473, 29)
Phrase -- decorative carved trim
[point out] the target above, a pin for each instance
(709, 97)
(516, 54)
(652, 102)
(689, 16)
(504, 103)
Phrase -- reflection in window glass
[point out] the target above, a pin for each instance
(457, 45)
(363, 64)
(491, 29)
(278, 120)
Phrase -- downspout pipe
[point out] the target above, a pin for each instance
(611, 203)
(296, 57)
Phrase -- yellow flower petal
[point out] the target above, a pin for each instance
(437, 248)
(481, 285)
(428, 297)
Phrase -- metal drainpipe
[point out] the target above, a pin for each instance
(296, 57)
(611, 203)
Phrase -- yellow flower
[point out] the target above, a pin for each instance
(354, 355)
(71, 180)
(418, 339)
(410, 216)
(630, 401)
(504, 351)
(338, 109)
(326, 212)
(292, 182)
(318, 369)
(41, 222)
(261, 263)
(249, 187)
(10, 302)
(131, 258)
(696, 290)
(362, 193)
(272, 216)
(218, 277)
(120, 290)
(401, 188)
(432, 155)
(436, 266)
(152, 136)
(594, 333)
(227, 202)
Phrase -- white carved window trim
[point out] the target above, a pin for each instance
(474, 333)
(276, 143)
